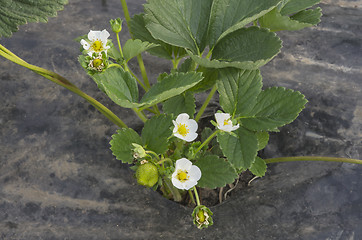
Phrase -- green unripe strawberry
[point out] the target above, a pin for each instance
(147, 175)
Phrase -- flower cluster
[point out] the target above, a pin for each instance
(187, 175)
(96, 49)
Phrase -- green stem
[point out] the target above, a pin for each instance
(206, 141)
(56, 78)
(207, 101)
(164, 160)
(197, 197)
(154, 154)
(192, 197)
(312, 158)
(139, 57)
(126, 68)
(140, 114)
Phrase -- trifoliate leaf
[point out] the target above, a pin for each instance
(275, 107)
(156, 132)
(258, 168)
(251, 44)
(239, 147)
(238, 90)
(183, 103)
(294, 6)
(292, 16)
(230, 15)
(121, 144)
(134, 47)
(170, 86)
(179, 23)
(18, 12)
(263, 139)
(120, 86)
(215, 172)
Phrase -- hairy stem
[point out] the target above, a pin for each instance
(207, 101)
(312, 158)
(56, 78)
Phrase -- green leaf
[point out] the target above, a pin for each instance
(134, 47)
(179, 23)
(275, 107)
(259, 167)
(238, 90)
(215, 172)
(263, 139)
(294, 6)
(183, 103)
(210, 75)
(113, 52)
(186, 66)
(170, 86)
(250, 45)
(283, 20)
(311, 16)
(18, 12)
(120, 86)
(139, 31)
(240, 147)
(229, 15)
(121, 144)
(156, 132)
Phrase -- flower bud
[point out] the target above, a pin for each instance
(139, 151)
(202, 217)
(147, 174)
(116, 25)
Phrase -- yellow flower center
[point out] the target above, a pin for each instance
(182, 130)
(201, 216)
(226, 122)
(97, 62)
(182, 175)
(97, 46)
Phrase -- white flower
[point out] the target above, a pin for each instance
(97, 42)
(185, 128)
(224, 123)
(186, 175)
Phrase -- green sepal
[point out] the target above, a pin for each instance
(206, 220)
(216, 172)
(121, 144)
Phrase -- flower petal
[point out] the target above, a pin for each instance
(85, 44)
(183, 164)
(103, 36)
(191, 136)
(92, 35)
(177, 183)
(195, 173)
(192, 125)
(182, 118)
(189, 184)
